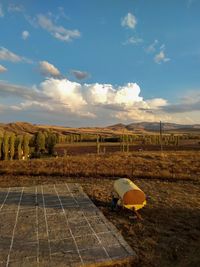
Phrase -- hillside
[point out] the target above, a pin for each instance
(155, 126)
(142, 127)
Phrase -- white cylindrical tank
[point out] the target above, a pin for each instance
(130, 194)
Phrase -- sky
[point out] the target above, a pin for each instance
(99, 62)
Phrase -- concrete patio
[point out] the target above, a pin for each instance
(56, 225)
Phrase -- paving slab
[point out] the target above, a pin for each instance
(57, 225)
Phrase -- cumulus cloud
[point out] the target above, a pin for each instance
(67, 99)
(59, 32)
(7, 55)
(129, 21)
(161, 57)
(48, 69)
(1, 11)
(80, 75)
(64, 92)
(2, 69)
(25, 35)
(133, 40)
(157, 103)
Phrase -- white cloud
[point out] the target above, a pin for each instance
(21, 92)
(48, 69)
(133, 40)
(80, 75)
(162, 47)
(59, 32)
(159, 54)
(2, 69)
(1, 11)
(33, 105)
(7, 55)
(129, 21)
(157, 103)
(64, 92)
(152, 47)
(103, 102)
(160, 57)
(25, 35)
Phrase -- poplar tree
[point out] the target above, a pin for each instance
(39, 142)
(1, 141)
(18, 147)
(5, 147)
(51, 142)
(12, 146)
(26, 148)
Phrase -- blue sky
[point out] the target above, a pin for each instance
(82, 63)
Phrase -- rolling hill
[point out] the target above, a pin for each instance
(141, 127)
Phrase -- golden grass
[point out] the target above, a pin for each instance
(170, 232)
(166, 165)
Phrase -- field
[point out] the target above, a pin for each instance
(169, 234)
(105, 148)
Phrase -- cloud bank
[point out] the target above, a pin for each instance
(94, 103)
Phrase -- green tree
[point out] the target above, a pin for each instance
(12, 146)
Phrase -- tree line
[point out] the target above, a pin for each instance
(19, 147)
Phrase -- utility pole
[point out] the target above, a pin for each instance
(161, 145)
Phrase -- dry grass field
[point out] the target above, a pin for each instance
(180, 165)
(169, 234)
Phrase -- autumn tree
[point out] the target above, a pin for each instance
(50, 143)
(5, 146)
(39, 141)
(25, 146)
(1, 141)
(18, 146)
(12, 146)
